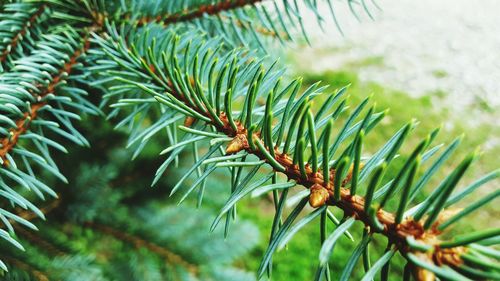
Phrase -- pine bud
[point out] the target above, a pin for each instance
(319, 195)
(237, 144)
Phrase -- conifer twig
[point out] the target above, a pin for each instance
(173, 77)
(22, 124)
(352, 205)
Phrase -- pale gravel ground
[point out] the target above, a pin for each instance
(416, 39)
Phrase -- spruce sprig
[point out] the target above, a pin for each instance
(255, 130)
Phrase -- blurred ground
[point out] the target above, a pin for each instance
(446, 52)
(451, 47)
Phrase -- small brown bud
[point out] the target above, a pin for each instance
(450, 256)
(237, 144)
(318, 197)
(188, 122)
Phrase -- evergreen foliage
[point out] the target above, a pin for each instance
(194, 74)
(106, 228)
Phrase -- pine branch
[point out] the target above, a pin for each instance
(353, 206)
(22, 124)
(138, 243)
(40, 243)
(175, 80)
(283, 163)
(34, 85)
(242, 22)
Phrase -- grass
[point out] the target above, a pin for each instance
(439, 73)
(375, 61)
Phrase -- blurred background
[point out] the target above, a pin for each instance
(436, 61)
